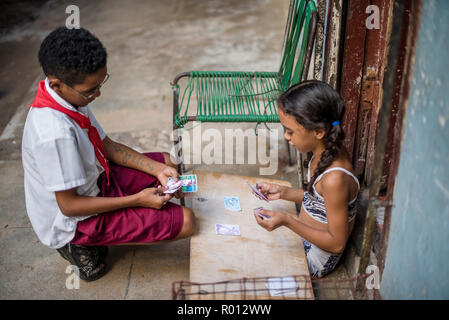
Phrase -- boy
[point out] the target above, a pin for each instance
(84, 191)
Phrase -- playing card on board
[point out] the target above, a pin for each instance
(282, 286)
(232, 203)
(227, 229)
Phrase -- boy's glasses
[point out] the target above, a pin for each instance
(90, 96)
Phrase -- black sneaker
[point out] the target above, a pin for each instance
(103, 251)
(90, 265)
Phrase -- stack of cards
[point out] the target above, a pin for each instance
(257, 193)
(187, 183)
(173, 186)
(256, 211)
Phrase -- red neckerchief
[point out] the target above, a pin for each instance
(45, 100)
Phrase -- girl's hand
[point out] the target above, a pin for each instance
(276, 220)
(153, 197)
(270, 190)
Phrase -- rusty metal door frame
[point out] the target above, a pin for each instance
(375, 80)
(374, 62)
(364, 60)
(402, 81)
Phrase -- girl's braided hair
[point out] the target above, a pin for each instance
(316, 105)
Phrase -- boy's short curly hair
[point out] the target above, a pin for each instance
(71, 54)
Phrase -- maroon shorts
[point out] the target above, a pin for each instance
(130, 225)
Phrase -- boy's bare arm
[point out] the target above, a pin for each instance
(127, 157)
(71, 204)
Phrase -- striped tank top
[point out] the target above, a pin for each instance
(313, 203)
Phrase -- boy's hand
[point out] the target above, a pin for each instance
(276, 219)
(163, 176)
(165, 173)
(270, 190)
(153, 197)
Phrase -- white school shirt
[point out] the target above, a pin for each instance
(57, 155)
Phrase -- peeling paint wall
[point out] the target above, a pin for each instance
(417, 261)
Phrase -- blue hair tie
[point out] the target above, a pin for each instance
(335, 123)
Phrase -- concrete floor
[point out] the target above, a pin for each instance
(148, 43)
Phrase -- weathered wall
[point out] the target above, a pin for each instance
(417, 261)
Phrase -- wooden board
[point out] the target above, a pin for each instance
(257, 252)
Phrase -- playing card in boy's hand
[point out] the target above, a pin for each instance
(173, 186)
(190, 183)
(187, 183)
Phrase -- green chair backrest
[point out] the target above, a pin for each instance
(298, 23)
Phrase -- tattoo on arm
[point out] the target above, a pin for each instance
(150, 167)
(128, 158)
(117, 148)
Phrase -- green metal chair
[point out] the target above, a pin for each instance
(224, 96)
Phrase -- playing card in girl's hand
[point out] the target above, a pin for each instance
(257, 193)
(257, 211)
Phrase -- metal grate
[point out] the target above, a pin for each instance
(276, 288)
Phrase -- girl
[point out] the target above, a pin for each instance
(310, 113)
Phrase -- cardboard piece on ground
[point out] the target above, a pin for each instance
(257, 252)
